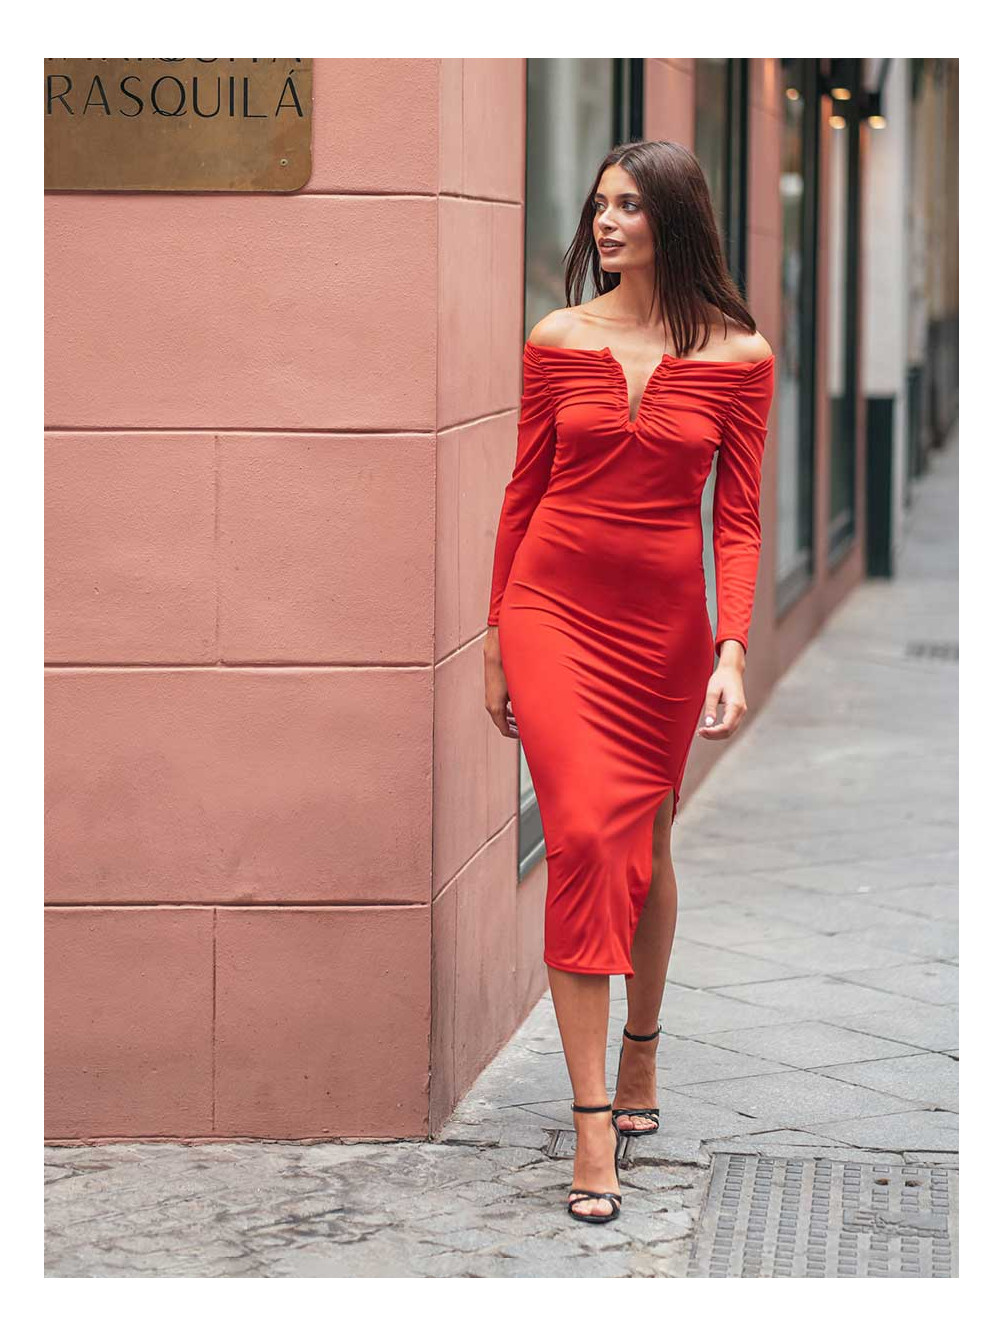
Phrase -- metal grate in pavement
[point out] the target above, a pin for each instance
(561, 1146)
(768, 1216)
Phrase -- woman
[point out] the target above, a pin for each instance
(598, 640)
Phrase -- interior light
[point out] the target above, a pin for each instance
(871, 110)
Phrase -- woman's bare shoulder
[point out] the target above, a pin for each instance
(752, 348)
(556, 329)
(741, 346)
(573, 326)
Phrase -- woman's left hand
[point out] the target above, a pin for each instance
(725, 686)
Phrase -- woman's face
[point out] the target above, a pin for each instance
(618, 217)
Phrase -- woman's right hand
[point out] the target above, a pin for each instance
(497, 701)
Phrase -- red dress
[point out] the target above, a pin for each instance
(599, 596)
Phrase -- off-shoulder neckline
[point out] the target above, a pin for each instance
(666, 357)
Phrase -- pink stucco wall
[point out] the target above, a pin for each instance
(281, 893)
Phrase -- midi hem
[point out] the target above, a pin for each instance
(587, 970)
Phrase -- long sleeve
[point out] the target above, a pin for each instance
(535, 440)
(736, 507)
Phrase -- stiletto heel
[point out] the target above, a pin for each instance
(653, 1112)
(596, 1218)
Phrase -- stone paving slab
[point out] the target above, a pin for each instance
(897, 873)
(930, 1079)
(830, 953)
(699, 966)
(807, 1044)
(704, 1062)
(935, 901)
(804, 910)
(885, 842)
(721, 857)
(694, 1012)
(728, 925)
(810, 1016)
(932, 940)
(923, 1025)
(796, 1097)
(912, 1130)
(767, 1143)
(815, 997)
(930, 981)
(686, 1114)
(876, 877)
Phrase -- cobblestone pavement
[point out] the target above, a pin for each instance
(810, 1013)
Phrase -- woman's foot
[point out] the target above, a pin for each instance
(636, 1084)
(595, 1163)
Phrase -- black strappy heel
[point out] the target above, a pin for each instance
(596, 1218)
(652, 1113)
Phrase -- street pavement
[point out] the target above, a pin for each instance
(810, 1028)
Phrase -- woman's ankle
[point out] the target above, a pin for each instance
(642, 1029)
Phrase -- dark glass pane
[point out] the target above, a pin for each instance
(792, 372)
(711, 132)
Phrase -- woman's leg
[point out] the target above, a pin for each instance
(650, 953)
(582, 1006)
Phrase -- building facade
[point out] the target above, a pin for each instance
(294, 876)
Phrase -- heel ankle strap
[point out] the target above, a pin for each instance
(643, 1037)
(591, 1109)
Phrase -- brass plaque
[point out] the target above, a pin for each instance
(179, 125)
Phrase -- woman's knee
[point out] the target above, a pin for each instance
(583, 841)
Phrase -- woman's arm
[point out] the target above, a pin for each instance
(535, 441)
(736, 506)
(736, 521)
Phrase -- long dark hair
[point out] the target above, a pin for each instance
(690, 268)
